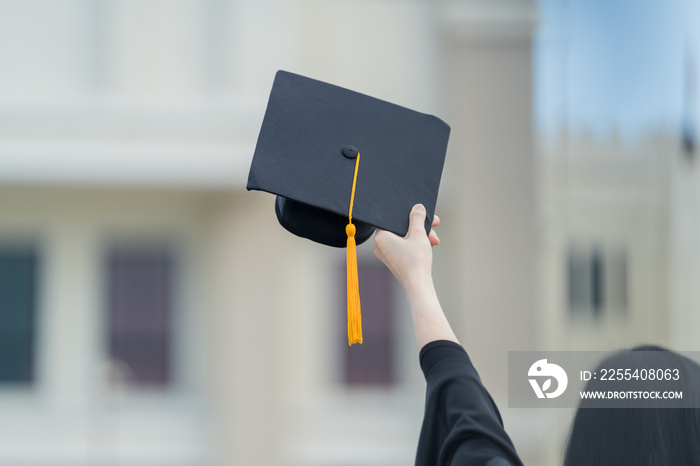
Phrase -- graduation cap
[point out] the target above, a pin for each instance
(342, 164)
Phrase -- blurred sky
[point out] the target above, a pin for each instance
(604, 66)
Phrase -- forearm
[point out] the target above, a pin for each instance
(429, 321)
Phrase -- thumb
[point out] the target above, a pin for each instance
(417, 220)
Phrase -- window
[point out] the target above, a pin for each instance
(18, 301)
(373, 362)
(140, 301)
(597, 280)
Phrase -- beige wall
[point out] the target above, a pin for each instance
(609, 194)
(684, 255)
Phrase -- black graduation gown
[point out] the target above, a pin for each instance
(461, 424)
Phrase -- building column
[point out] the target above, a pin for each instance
(488, 281)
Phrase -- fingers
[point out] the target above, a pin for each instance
(417, 220)
(433, 237)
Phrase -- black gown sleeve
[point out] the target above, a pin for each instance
(461, 424)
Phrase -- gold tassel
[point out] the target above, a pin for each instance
(354, 314)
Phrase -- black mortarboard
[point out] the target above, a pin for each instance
(307, 128)
(307, 154)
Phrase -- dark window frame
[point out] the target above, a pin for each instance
(374, 363)
(18, 359)
(590, 273)
(140, 348)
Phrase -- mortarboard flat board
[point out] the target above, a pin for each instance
(305, 153)
(342, 163)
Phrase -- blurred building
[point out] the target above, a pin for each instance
(618, 247)
(152, 312)
(607, 216)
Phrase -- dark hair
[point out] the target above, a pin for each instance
(638, 436)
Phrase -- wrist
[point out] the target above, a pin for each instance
(419, 287)
(429, 320)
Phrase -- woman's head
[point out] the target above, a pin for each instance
(638, 436)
